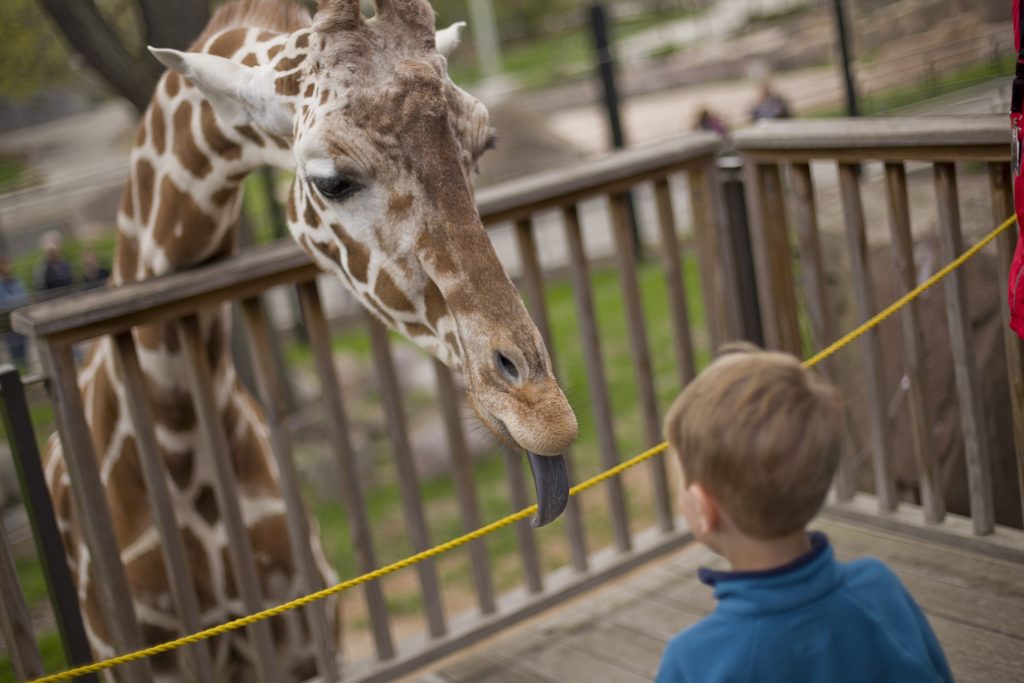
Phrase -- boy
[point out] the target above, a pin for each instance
(758, 438)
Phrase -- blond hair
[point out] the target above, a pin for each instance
(762, 434)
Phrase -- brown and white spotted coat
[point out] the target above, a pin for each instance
(383, 146)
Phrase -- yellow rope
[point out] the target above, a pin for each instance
(501, 523)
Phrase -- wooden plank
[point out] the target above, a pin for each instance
(908, 135)
(823, 324)
(155, 475)
(562, 585)
(408, 482)
(675, 278)
(91, 503)
(940, 153)
(597, 385)
(351, 490)
(978, 655)
(483, 668)
(976, 444)
(519, 198)
(715, 255)
(17, 420)
(525, 539)
(605, 641)
(533, 285)
(871, 346)
(272, 395)
(1002, 208)
(640, 354)
(928, 474)
(462, 475)
(955, 531)
(773, 260)
(562, 662)
(19, 636)
(218, 453)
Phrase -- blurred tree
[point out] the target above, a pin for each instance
(31, 56)
(111, 36)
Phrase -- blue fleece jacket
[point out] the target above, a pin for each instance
(812, 620)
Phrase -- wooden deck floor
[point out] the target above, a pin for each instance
(615, 635)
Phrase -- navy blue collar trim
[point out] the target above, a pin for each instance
(819, 544)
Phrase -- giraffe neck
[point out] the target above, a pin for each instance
(182, 203)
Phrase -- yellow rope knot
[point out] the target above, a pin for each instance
(505, 521)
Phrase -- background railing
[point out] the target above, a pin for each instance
(815, 194)
(675, 175)
(886, 155)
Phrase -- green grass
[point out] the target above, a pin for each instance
(884, 101)
(553, 57)
(11, 170)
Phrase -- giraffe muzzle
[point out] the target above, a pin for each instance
(551, 480)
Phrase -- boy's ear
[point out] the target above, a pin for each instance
(241, 95)
(707, 508)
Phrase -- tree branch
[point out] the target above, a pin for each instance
(134, 76)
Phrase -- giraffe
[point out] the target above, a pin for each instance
(383, 146)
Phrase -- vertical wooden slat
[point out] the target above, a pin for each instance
(597, 385)
(408, 484)
(715, 257)
(1002, 208)
(642, 367)
(351, 490)
(773, 259)
(179, 574)
(929, 476)
(63, 595)
(524, 531)
(823, 323)
(533, 285)
(462, 474)
(675, 278)
(219, 454)
(274, 398)
(976, 445)
(871, 347)
(91, 502)
(15, 620)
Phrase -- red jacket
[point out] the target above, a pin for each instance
(1016, 283)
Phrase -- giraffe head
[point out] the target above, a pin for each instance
(384, 147)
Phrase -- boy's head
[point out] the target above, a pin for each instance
(758, 436)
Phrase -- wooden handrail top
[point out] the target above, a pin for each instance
(940, 137)
(106, 311)
(523, 196)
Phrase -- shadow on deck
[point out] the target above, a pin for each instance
(616, 635)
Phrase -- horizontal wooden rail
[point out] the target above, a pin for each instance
(947, 138)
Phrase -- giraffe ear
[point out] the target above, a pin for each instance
(240, 94)
(448, 39)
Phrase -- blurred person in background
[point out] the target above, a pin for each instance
(94, 275)
(12, 295)
(55, 271)
(771, 105)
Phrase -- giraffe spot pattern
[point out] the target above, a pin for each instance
(399, 205)
(356, 255)
(158, 124)
(172, 83)
(436, 307)
(251, 59)
(302, 41)
(127, 257)
(185, 148)
(310, 215)
(249, 133)
(178, 208)
(223, 196)
(390, 295)
(216, 139)
(289, 63)
(228, 43)
(145, 183)
(206, 506)
(417, 330)
(274, 51)
(288, 86)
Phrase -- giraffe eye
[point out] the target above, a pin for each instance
(336, 187)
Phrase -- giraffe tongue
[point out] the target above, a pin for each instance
(551, 479)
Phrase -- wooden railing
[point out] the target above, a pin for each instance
(176, 299)
(782, 198)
